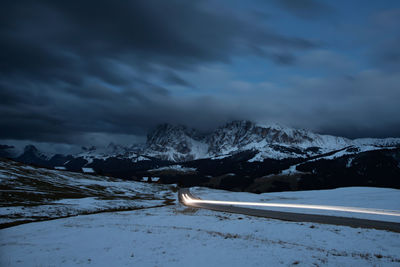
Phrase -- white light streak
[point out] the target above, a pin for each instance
(188, 200)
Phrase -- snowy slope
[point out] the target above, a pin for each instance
(30, 194)
(177, 236)
(158, 231)
(384, 142)
(361, 197)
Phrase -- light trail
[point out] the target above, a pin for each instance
(187, 199)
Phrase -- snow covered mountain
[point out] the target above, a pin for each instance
(240, 155)
(32, 155)
(178, 143)
(273, 141)
(112, 151)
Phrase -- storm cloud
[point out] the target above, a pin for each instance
(70, 70)
(306, 9)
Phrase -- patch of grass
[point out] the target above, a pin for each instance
(224, 235)
(222, 218)
(274, 182)
(29, 194)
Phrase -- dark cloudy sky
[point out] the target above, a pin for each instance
(74, 72)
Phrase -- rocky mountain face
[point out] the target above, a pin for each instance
(176, 143)
(32, 155)
(240, 155)
(239, 135)
(179, 143)
(92, 153)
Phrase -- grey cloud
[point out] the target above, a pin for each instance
(70, 68)
(384, 51)
(326, 60)
(91, 70)
(364, 106)
(386, 55)
(283, 58)
(48, 39)
(174, 79)
(306, 9)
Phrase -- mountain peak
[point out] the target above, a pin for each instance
(164, 133)
(181, 143)
(91, 148)
(176, 142)
(32, 155)
(30, 148)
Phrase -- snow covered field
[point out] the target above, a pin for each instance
(177, 236)
(34, 194)
(363, 197)
(157, 231)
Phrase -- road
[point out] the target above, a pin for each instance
(188, 199)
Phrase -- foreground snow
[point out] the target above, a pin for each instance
(362, 197)
(32, 194)
(173, 235)
(176, 236)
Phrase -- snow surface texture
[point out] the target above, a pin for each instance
(178, 236)
(174, 235)
(362, 197)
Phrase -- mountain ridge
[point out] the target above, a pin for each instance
(272, 141)
(179, 143)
